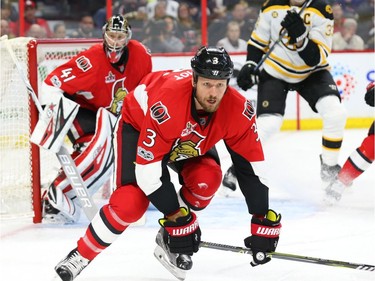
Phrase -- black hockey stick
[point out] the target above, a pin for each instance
(66, 161)
(291, 257)
(282, 34)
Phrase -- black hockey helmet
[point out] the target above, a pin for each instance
(212, 63)
(116, 35)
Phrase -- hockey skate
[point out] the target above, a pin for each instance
(334, 192)
(71, 266)
(230, 179)
(177, 264)
(328, 173)
(58, 208)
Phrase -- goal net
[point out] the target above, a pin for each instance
(24, 169)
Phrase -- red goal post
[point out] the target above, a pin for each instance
(24, 169)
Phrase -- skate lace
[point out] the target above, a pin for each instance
(76, 263)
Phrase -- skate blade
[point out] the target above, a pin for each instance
(159, 254)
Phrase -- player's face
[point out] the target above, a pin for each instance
(115, 40)
(209, 93)
(296, 2)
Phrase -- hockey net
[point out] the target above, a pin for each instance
(24, 169)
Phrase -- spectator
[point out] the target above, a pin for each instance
(8, 11)
(59, 30)
(5, 30)
(174, 44)
(347, 39)
(232, 42)
(30, 19)
(139, 21)
(187, 28)
(86, 28)
(124, 7)
(366, 22)
(160, 8)
(36, 31)
(338, 17)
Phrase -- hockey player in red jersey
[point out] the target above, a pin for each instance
(358, 162)
(297, 63)
(175, 118)
(97, 79)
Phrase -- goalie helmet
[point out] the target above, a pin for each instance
(212, 63)
(116, 35)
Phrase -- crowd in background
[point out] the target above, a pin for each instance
(167, 26)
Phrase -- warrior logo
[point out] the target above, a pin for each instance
(119, 92)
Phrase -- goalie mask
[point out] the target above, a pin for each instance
(212, 63)
(116, 35)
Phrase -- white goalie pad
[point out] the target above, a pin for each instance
(95, 163)
(54, 123)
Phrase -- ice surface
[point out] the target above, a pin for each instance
(344, 232)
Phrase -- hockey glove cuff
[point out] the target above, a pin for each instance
(369, 96)
(248, 76)
(182, 236)
(265, 236)
(293, 23)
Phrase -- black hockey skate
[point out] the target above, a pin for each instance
(177, 264)
(71, 266)
(230, 179)
(328, 173)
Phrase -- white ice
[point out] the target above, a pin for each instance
(343, 232)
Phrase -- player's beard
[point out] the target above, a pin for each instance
(209, 104)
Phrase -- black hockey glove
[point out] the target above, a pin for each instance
(184, 235)
(265, 235)
(293, 23)
(248, 76)
(369, 96)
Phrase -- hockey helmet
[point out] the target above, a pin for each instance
(116, 35)
(212, 63)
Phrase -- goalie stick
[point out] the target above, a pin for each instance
(282, 34)
(88, 205)
(291, 257)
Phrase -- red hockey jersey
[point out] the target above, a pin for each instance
(161, 109)
(93, 82)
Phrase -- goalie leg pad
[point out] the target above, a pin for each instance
(95, 163)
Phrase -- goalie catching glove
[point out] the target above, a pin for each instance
(182, 235)
(265, 235)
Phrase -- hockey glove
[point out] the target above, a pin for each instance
(293, 23)
(184, 235)
(369, 96)
(248, 76)
(265, 235)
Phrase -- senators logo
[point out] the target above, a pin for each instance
(159, 112)
(119, 92)
(187, 146)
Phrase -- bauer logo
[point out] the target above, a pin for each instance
(344, 77)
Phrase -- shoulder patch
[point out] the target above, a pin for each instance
(83, 63)
(323, 7)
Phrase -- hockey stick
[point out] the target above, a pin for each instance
(282, 34)
(291, 257)
(66, 161)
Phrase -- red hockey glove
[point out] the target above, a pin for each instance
(293, 23)
(369, 96)
(248, 76)
(184, 235)
(265, 235)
